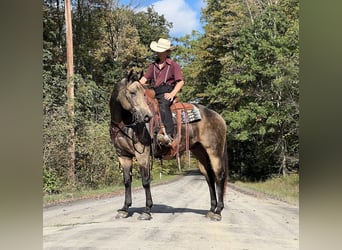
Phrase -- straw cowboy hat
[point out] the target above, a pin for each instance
(162, 45)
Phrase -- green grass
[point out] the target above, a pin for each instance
(70, 194)
(285, 188)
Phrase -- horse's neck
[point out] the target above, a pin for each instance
(119, 115)
(115, 113)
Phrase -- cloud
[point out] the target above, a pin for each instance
(183, 17)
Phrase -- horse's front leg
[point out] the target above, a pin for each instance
(146, 183)
(126, 164)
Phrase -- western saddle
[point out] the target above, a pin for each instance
(183, 113)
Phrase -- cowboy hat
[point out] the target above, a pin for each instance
(162, 45)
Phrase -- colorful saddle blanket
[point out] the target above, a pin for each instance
(186, 111)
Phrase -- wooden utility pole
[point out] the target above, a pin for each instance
(70, 91)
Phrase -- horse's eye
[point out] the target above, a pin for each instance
(133, 93)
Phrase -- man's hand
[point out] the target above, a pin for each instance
(173, 93)
(169, 96)
(143, 81)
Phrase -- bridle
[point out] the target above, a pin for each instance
(117, 127)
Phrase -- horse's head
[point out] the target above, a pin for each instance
(131, 96)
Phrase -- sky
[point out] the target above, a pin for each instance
(184, 14)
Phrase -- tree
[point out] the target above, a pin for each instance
(151, 26)
(246, 67)
(186, 54)
(224, 19)
(266, 110)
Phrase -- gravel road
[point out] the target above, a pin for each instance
(248, 222)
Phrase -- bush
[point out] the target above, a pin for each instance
(55, 144)
(51, 182)
(96, 161)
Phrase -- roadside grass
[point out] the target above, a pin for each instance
(285, 188)
(72, 193)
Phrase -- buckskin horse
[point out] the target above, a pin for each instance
(132, 137)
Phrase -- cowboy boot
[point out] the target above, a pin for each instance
(165, 140)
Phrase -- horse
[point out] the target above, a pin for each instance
(132, 137)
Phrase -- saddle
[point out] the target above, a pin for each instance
(182, 113)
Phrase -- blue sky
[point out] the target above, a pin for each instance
(184, 14)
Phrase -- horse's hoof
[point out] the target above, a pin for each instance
(216, 217)
(213, 216)
(209, 214)
(121, 215)
(145, 216)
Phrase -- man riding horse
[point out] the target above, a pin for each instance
(167, 79)
(135, 122)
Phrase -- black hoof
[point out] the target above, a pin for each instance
(145, 216)
(213, 216)
(121, 214)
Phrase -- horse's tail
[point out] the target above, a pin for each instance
(225, 165)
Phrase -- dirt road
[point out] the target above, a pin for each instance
(248, 222)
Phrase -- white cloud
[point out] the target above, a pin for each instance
(182, 16)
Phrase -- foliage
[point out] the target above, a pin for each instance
(186, 56)
(251, 70)
(96, 164)
(51, 182)
(151, 26)
(267, 55)
(55, 132)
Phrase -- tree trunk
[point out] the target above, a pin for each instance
(283, 167)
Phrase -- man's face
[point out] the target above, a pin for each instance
(163, 54)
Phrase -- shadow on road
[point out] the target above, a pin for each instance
(160, 208)
(192, 172)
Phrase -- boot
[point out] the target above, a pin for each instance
(165, 140)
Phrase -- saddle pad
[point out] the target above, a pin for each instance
(188, 114)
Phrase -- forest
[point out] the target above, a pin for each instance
(244, 65)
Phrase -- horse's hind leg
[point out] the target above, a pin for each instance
(205, 168)
(220, 186)
(220, 170)
(213, 168)
(210, 178)
(126, 164)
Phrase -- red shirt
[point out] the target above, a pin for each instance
(169, 73)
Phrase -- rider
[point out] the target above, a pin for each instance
(167, 79)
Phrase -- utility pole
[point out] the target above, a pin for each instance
(70, 91)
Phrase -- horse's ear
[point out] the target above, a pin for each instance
(141, 74)
(130, 75)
